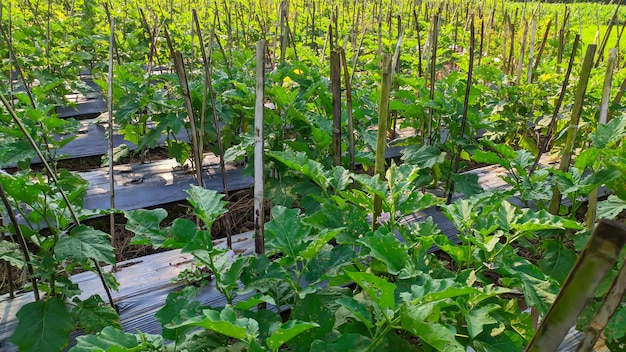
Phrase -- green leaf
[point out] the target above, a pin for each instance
(93, 314)
(423, 156)
(504, 342)
(386, 248)
(11, 253)
(322, 240)
(558, 260)
(287, 331)
(85, 243)
(478, 317)
(286, 232)
(467, 184)
(208, 204)
(611, 207)
(606, 135)
(44, 325)
(616, 327)
(415, 319)
(119, 152)
(539, 290)
(179, 306)
(254, 301)
(380, 291)
(346, 342)
(145, 224)
(225, 322)
(110, 339)
(358, 310)
(301, 163)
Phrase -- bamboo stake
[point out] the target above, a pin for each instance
(544, 146)
(541, 48)
(608, 307)
(20, 238)
(555, 203)
(468, 87)
(595, 261)
(259, 157)
(620, 92)
(381, 140)
(433, 71)
(110, 130)
(179, 65)
(520, 63)
(531, 52)
(605, 39)
(348, 80)
(335, 88)
(604, 113)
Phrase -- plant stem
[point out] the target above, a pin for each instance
(347, 78)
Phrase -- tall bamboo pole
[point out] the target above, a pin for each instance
(335, 89)
(603, 119)
(595, 261)
(555, 203)
(259, 157)
(381, 141)
(110, 128)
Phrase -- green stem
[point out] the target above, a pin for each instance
(383, 115)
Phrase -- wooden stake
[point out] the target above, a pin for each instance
(585, 71)
(335, 89)
(259, 153)
(110, 130)
(603, 119)
(350, 132)
(595, 261)
(380, 164)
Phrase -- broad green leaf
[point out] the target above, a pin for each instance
(110, 339)
(93, 314)
(386, 248)
(11, 253)
(616, 327)
(467, 184)
(179, 234)
(423, 156)
(358, 310)
(415, 319)
(286, 232)
(119, 152)
(611, 207)
(85, 243)
(606, 135)
(225, 322)
(207, 204)
(179, 306)
(558, 260)
(373, 185)
(301, 163)
(539, 290)
(346, 342)
(503, 342)
(319, 307)
(145, 224)
(44, 325)
(286, 332)
(379, 290)
(254, 301)
(478, 317)
(543, 220)
(316, 246)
